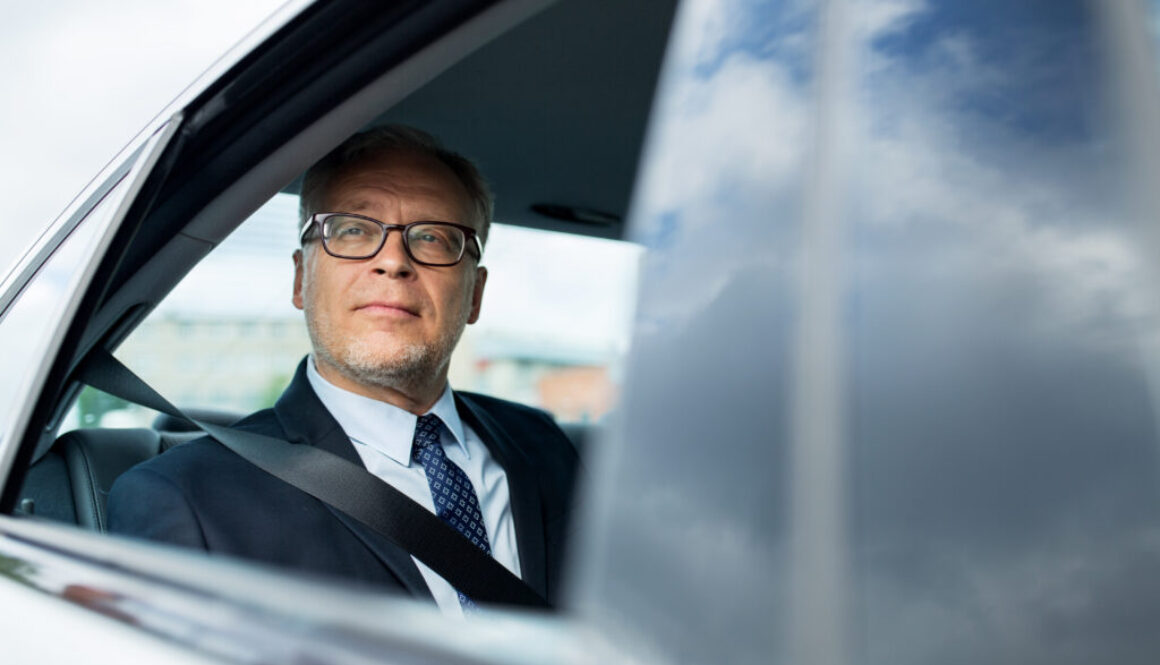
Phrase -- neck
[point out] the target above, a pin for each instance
(416, 397)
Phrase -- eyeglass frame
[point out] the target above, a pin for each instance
(318, 219)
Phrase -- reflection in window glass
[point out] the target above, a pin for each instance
(992, 481)
(1154, 24)
(1003, 433)
(553, 328)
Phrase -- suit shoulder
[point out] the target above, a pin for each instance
(264, 421)
(498, 406)
(525, 424)
(190, 459)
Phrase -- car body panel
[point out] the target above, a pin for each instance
(241, 612)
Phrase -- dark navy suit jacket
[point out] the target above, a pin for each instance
(202, 495)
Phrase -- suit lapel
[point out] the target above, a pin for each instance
(306, 420)
(527, 511)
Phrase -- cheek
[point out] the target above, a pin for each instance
(308, 287)
(464, 301)
(318, 286)
(314, 294)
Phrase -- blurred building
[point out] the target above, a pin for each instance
(225, 362)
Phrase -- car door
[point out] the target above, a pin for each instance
(897, 326)
(39, 298)
(241, 139)
(891, 389)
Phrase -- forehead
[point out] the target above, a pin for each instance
(414, 183)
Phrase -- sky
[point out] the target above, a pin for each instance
(82, 77)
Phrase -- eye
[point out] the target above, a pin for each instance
(350, 229)
(431, 235)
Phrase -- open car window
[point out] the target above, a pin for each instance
(553, 331)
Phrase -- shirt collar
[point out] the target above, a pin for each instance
(382, 426)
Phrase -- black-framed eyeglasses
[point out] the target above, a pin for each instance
(350, 236)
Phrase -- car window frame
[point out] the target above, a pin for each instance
(125, 189)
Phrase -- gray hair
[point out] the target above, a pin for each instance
(387, 139)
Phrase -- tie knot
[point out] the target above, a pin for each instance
(426, 432)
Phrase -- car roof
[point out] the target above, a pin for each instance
(563, 128)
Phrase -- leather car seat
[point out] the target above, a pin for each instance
(71, 482)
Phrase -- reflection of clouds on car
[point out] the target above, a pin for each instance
(998, 294)
(1002, 487)
(734, 138)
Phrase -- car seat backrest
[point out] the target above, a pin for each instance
(47, 491)
(71, 482)
(95, 458)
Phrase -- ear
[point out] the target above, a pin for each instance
(299, 266)
(477, 293)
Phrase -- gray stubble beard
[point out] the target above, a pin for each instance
(411, 368)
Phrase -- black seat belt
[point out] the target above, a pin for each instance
(343, 485)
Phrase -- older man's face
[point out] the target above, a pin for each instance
(387, 322)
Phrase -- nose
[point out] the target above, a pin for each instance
(393, 260)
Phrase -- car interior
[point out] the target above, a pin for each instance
(554, 110)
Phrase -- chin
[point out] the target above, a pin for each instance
(403, 365)
(382, 359)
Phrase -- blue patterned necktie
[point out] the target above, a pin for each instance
(455, 499)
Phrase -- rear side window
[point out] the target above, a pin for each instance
(552, 333)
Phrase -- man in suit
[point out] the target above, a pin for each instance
(393, 227)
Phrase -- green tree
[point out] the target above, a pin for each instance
(274, 389)
(93, 404)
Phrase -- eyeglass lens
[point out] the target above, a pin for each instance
(352, 237)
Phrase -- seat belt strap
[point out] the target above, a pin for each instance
(343, 485)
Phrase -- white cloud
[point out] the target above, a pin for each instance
(871, 19)
(739, 130)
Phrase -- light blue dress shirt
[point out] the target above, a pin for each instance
(382, 436)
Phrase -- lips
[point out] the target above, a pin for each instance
(389, 308)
